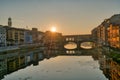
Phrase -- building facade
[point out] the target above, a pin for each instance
(114, 36)
(35, 35)
(28, 37)
(108, 32)
(2, 36)
(14, 36)
(94, 34)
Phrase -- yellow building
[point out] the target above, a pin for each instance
(114, 35)
(15, 36)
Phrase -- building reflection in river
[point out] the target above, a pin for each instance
(110, 68)
(14, 61)
(3, 66)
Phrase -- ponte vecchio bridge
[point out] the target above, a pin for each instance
(77, 39)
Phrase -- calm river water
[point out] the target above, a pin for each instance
(34, 66)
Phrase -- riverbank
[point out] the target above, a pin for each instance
(115, 55)
(112, 53)
(11, 49)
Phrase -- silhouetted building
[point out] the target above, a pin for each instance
(53, 41)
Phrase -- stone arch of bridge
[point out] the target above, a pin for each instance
(77, 39)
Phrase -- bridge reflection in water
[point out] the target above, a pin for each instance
(71, 47)
(51, 69)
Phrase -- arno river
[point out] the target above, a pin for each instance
(34, 65)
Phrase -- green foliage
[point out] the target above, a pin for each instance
(115, 55)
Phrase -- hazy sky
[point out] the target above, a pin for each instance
(69, 16)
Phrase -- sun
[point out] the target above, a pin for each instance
(53, 29)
